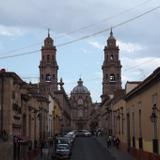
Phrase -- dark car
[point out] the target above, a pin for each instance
(63, 151)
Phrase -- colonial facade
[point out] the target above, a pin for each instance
(132, 114)
(55, 116)
(134, 117)
(23, 116)
(64, 102)
(143, 118)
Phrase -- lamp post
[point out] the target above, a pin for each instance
(154, 121)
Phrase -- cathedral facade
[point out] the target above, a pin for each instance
(81, 106)
(77, 108)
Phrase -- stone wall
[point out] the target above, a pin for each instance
(6, 151)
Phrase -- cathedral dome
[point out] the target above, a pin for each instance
(80, 88)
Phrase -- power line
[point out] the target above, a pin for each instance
(115, 26)
(106, 19)
(28, 46)
(18, 55)
(83, 28)
(90, 35)
(134, 67)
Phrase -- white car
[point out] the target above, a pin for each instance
(63, 151)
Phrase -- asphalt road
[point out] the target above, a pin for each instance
(87, 148)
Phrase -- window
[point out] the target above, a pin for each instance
(112, 57)
(133, 124)
(80, 101)
(154, 99)
(122, 123)
(48, 77)
(133, 130)
(112, 77)
(140, 124)
(140, 130)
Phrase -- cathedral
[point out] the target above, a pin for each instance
(80, 101)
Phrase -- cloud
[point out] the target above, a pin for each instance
(96, 44)
(129, 47)
(10, 31)
(138, 69)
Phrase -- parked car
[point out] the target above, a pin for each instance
(63, 151)
(64, 140)
(83, 133)
(87, 133)
(80, 133)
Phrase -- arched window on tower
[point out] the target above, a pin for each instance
(48, 77)
(112, 78)
(111, 57)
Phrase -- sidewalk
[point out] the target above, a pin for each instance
(118, 154)
(50, 154)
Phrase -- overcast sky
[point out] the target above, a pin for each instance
(23, 27)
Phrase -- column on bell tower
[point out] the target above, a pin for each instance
(48, 67)
(111, 69)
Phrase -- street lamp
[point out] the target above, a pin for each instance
(153, 118)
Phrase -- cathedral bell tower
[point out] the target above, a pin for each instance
(111, 69)
(48, 67)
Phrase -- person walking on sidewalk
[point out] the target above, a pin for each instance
(117, 143)
(109, 141)
(45, 151)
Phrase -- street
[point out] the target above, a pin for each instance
(88, 148)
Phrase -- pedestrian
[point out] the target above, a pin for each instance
(117, 142)
(109, 141)
(114, 141)
(41, 147)
(45, 151)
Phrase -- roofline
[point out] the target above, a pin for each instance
(153, 76)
